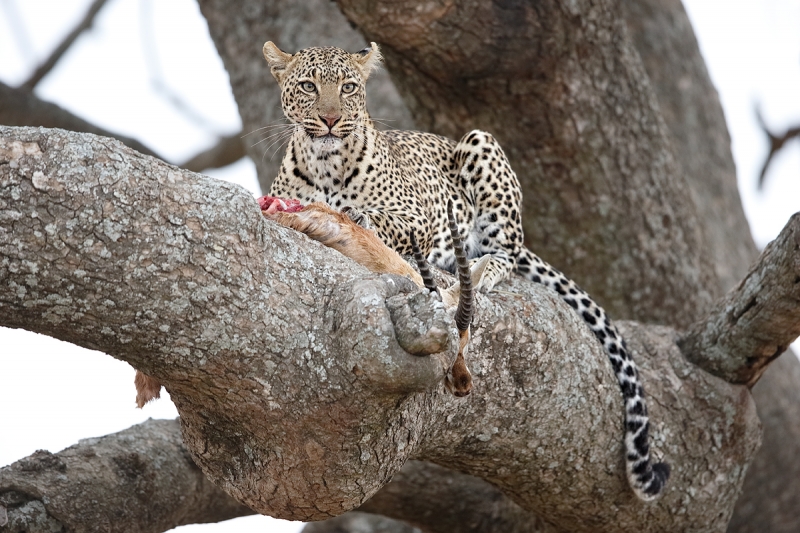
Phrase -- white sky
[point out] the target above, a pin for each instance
(53, 393)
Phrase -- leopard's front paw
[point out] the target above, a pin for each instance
(357, 216)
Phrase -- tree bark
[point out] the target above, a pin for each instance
(757, 320)
(769, 498)
(280, 354)
(689, 104)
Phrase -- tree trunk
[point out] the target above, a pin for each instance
(663, 36)
(601, 190)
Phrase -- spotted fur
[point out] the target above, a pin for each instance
(399, 184)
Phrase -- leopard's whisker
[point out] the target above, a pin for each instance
(279, 134)
(286, 137)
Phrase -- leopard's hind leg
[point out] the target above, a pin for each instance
(487, 199)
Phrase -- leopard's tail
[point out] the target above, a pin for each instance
(646, 479)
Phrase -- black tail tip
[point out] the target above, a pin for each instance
(661, 471)
(660, 476)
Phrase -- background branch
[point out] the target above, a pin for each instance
(228, 150)
(357, 522)
(23, 108)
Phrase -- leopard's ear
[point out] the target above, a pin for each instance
(277, 60)
(368, 59)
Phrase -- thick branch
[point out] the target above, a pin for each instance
(757, 320)
(142, 477)
(61, 49)
(150, 459)
(282, 358)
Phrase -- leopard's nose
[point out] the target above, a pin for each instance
(331, 119)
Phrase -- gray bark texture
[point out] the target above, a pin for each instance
(757, 320)
(281, 357)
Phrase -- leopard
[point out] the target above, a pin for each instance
(398, 184)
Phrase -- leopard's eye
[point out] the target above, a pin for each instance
(308, 86)
(348, 88)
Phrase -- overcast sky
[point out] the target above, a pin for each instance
(53, 393)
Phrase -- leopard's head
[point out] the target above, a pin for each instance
(323, 89)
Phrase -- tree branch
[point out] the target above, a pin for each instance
(757, 320)
(142, 477)
(93, 480)
(61, 49)
(281, 357)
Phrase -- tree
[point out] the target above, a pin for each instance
(622, 194)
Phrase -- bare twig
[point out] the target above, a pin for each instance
(61, 49)
(757, 320)
(776, 142)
